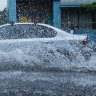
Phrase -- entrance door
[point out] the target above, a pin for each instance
(35, 11)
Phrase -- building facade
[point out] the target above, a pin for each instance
(59, 13)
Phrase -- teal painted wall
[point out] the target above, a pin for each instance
(11, 10)
(56, 14)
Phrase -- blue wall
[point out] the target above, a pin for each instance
(56, 14)
(12, 10)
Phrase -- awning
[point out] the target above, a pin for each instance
(75, 2)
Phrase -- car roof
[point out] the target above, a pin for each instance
(25, 23)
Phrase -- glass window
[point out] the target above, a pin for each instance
(21, 31)
(7, 32)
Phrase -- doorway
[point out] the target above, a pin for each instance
(35, 10)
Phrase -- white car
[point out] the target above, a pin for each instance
(37, 32)
(29, 43)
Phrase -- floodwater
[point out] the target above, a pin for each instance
(44, 71)
(20, 83)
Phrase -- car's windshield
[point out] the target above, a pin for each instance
(22, 31)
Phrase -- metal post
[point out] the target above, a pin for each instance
(11, 10)
(56, 14)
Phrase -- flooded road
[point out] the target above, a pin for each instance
(45, 66)
(40, 69)
(19, 83)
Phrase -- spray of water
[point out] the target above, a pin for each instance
(36, 56)
(17, 53)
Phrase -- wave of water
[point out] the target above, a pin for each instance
(46, 57)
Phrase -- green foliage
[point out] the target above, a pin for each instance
(3, 17)
(89, 7)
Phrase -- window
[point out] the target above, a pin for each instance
(22, 31)
(7, 32)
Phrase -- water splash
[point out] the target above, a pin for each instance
(40, 56)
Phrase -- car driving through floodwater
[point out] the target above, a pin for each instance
(22, 43)
(42, 42)
(41, 60)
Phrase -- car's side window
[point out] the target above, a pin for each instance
(22, 31)
(6, 32)
(47, 32)
(26, 31)
(34, 31)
